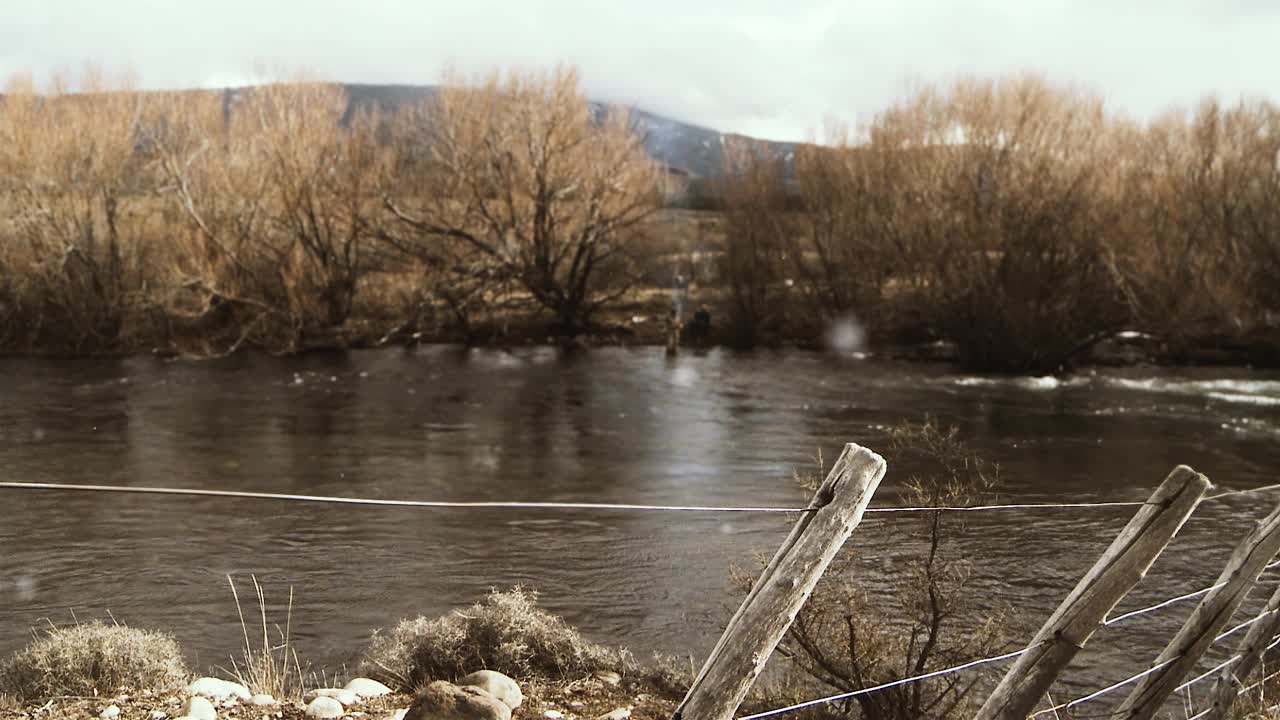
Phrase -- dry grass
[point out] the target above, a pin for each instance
(93, 659)
(507, 632)
(267, 667)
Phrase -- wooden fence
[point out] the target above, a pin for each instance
(835, 511)
(760, 623)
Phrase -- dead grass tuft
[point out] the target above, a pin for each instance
(267, 667)
(93, 658)
(507, 632)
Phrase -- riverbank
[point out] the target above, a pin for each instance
(642, 322)
(583, 698)
(522, 661)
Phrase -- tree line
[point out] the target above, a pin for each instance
(1016, 218)
(260, 218)
(1019, 220)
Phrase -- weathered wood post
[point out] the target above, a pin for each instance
(1115, 573)
(1226, 687)
(1206, 621)
(781, 590)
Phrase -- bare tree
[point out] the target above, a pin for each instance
(1006, 222)
(71, 255)
(839, 254)
(281, 201)
(533, 185)
(758, 230)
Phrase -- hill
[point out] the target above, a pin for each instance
(693, 149)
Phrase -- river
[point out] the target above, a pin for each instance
(610, 425)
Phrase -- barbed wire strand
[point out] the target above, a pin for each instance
(1134, 678)
(1108, 689)
(888, 685)
(1231, 493)
(1265, 679)
(397, 503)
(1161, 605)
(73, 487)
(1171, 601)
(532, 505)
(1231, 659)
(1207, 673)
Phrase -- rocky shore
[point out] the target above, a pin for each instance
(483, 695)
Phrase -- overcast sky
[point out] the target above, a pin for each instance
(770, 68)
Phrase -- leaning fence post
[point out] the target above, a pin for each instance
(1226, 687)
(1123, 564)
(781, 590)
(1207, 620)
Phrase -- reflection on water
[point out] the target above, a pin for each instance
(615, 426)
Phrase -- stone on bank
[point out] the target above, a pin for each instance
(496, 684)
(445, 701)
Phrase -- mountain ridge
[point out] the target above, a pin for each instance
(686, 147)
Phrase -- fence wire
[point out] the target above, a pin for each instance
(72, 487)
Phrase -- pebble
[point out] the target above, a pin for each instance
(553, 715)
(619, 714)
(199, 708)
(112, 711)
(159, 715)
(217, 689)
(366, 688)
(325, 708)
(346, 697)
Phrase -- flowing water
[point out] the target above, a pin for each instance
(615, 426)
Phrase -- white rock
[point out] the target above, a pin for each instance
(553, 715)
(496, 684)
(217, 689)
(620, 714)
(159, 715)
(262, 700)
(112, 711)
(366, 688)
(608, 676)
(346, 697)
(199, 708)
(325, 708)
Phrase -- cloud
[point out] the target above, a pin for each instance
(753, 66)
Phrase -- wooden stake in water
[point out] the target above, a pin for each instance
(1230, 680)
(1115, 573)
(783, 587)
(1206, 621)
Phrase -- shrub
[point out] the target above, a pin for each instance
(507, 632)
(845, 638)
(93, 658)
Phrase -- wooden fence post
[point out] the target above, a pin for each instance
(1226, 687)
(1253, 553)
(1115, 573)
(781, 590)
